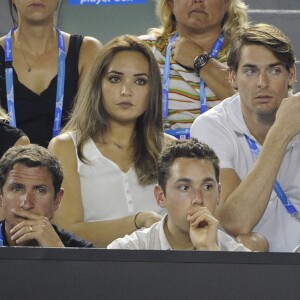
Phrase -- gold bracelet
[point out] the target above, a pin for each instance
(137, 227)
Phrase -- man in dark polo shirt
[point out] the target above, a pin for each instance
(30, 193)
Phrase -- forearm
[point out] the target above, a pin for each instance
(102, 233)
(215, 75)
(241, 210)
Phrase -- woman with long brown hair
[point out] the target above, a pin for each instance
(110, 146)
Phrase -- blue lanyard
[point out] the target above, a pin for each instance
(1, 236)
(60, 81)
(290, 208)
(213, 54)
(166, 77)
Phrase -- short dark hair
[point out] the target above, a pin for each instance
(265, 35)
(31, 156)
(191, 148)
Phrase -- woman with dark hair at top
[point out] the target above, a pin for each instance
(110, 146)
(41, 68)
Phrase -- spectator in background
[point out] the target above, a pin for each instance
(30, 193)
(255, 133)
(191, 49)
(42, 68)
(110, 146)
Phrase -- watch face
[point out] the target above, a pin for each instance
(200, 61)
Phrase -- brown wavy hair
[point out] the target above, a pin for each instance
(89, 117)
(265, 35)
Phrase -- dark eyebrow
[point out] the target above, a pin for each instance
(269, 66)
(276, 65)
(183, 179)
(141, 74)
(187, 180)
(115, 72)
(120, 73)
(207, 179)
(248, 66)
(15, 183)
(40, 186)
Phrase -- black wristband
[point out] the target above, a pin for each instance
(137, 227)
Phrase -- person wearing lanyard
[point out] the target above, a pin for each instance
(40, 69)
(191, 49)
(255, 133)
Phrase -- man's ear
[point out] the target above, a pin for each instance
(219, 193)
(293, 76)
(57, 199)
(232, 79)
(159, 196)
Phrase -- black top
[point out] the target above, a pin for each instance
(35, 113)
(8, 137)
(68, 239)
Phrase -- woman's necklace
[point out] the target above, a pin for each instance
(27, 63)
(29, 69)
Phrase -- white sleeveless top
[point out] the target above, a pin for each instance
(107, 193)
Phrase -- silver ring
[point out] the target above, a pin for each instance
(31, 229)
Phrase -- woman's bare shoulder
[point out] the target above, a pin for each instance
(63, 142)
(23, 140)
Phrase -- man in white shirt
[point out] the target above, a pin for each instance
(188, 187)
(263, 118)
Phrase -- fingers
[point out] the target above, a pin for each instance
(43, 234)
(25, 214)
(25, 233)
(199, 217)
(203, 228)
(43, 221)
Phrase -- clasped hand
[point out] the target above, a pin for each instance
(203, 228)
(34, 227)
(185, 50)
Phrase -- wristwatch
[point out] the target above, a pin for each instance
(200, 61)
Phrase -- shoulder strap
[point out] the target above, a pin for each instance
(73, 53)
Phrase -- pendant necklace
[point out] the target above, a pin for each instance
(29, 66)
